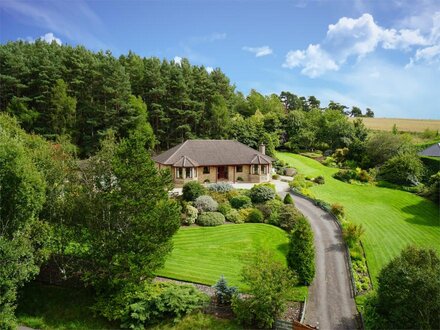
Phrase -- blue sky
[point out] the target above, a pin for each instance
(382, 54)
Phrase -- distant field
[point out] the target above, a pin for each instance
(406, 125)
(392, 218)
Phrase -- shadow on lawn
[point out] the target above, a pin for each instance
(420, 213)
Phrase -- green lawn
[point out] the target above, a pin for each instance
(392, 218)
(203, 254)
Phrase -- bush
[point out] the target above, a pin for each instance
(403, 168)
(271, 210)
(244, 213)
(165, 300)
(275, 176)
(288, 217)
(220, 187)
(210, 219)
(329, 162)
(255, 216)
(223, 292)
(298, 182)
(240, 201)
(288, 199)
(261, 193)
(269, 283)
(338, 210)
(345, 175)
(240, 179)
(301, 255)
(319, 179)
(352, 233)
(408, 292)
(205, 203)
(224, 208)
(432, 191)
(191, 190)
(234, 216)
(190, 215)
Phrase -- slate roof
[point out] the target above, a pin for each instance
(193, 153)
(432, 151)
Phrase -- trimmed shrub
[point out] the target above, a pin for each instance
(234, 216)
(220, 187)
(338, 210)
(270, 211)
(255, 216)
(240, 201)
(210, 219)
(244, 213)
(261, 193)
(275, 176)
(190, 215)
(301, 255)
(191, 190)
(319, 179)
(223, 292)
(288, 217)
(205, 203)
(224, 208)
(288, 199)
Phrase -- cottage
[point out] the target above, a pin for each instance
(216, 161)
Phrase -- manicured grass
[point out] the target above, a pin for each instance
(50, 307)
(203, 254)
(392, 218)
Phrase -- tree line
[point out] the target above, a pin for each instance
(58, 91)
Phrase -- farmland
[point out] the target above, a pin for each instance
(393, 219)
(405, 125)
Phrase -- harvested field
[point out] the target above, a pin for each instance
(406, 125)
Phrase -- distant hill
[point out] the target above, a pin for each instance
(406, 125)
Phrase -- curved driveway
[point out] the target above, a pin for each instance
(330, 304)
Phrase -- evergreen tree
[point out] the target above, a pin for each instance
(301, 255)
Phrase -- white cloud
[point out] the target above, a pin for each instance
(259, 51)
(314, 61)
(49, 37)
(355, 37)
(177, 60)
(209, 69)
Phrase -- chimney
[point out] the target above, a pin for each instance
(262, 149)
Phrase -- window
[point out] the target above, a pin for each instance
(206, 170)
(254, 169)
(179, 173)
(239, 168)
(188, 172)
(263, 169)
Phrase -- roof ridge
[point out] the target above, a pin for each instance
(181, 145)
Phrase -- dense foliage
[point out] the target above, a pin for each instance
(269, 282)
(261, 193)
(408, 294)
(23, 237)
(240, 201)
(301, 255)
(404, 168)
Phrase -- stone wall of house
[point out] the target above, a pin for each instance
(233, 175)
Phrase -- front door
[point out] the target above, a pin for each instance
(222, 172)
